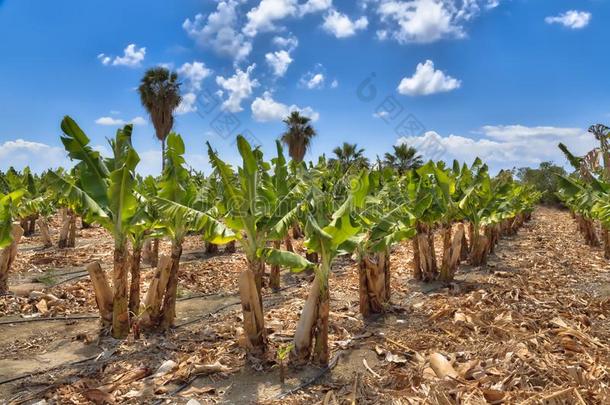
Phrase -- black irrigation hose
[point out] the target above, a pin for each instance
(313, 379)
(75, 363)
(55, 318)
(228, 305)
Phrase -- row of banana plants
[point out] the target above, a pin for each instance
(353, 211)
(586, 192)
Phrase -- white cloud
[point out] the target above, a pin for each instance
(266, 109)
(219, 31)
(239, 86)
(511, 146)
(334, 84)
(572, 19)
(279, 62)
(315, 82)
(289, 43)
(426, 81)
(262, 18)
(132, 57)
(195, 73)
(520, 132)
(117, 122)
(381, 114)
(313, 6)
(341, 26)
(138, 121)
(427, 20)
(38, 156)
(187, 104)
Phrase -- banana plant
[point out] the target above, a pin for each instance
(384, 222)
(257, 212)
(10, 234)
(104, 194)
(174, 201)
(329, 234)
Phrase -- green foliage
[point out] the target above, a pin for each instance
(544, 179)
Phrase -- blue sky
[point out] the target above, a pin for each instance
(502, 79)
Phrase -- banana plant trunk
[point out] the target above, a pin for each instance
(154, 256)
(427, 255)
(252, 309)
(169, 301)
(147, 252)
(452, 252)
(313, 325)
(606, 240)
(120, 304)
(102, 291)
(465, 249)
(8, 255)
(288, 243)
(374, 277)
(65, 229)
(274, 274)
(45, 234)
(151, 317)
(72, 232)
(134, 287)
(32, 225)
(479, 248)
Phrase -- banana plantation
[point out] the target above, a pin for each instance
(279, 281)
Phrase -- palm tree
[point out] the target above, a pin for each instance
(160, 95)
(404, 158)
(298, 135)
(348, 155)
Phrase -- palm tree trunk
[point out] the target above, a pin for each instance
(163, 154)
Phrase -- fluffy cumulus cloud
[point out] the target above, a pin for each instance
(38, 156)
(187, 104)
(194, 73)
(341, 26)
(288, 43)
(219, 31)
(279, 62)
(315, 82)
(268, 13)
(571, 19)
(117, 122)
(314, 79)
(426, 80)
(313, 6)
(239, 87)
(262, 18)
(504, 147)
(266, 109)
(426, 21)
(132, 57)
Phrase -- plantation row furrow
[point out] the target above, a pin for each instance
(261, 205)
